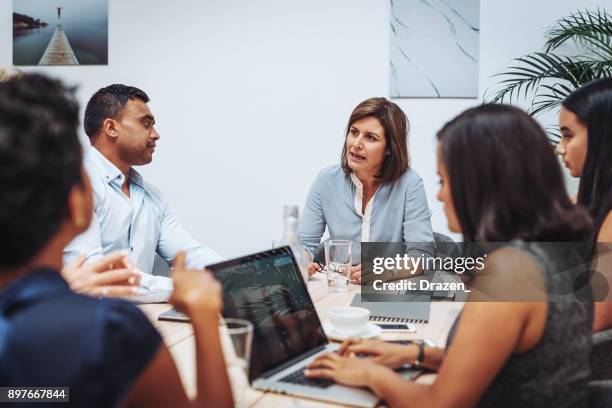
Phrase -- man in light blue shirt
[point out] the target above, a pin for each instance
(130, 214)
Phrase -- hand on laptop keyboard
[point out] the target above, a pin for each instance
(297, 377)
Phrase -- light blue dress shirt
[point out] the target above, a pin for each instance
(141, 224)
(398, 212)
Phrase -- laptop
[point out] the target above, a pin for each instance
(267, 289)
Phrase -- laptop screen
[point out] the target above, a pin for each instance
(267, 290)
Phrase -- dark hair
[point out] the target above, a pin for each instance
(40, 162)
(592, 104)
(395, 125)
(107, 103)
(506, 183)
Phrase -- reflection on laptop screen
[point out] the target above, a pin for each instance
(267, 290)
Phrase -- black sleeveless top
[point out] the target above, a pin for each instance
(554, 373)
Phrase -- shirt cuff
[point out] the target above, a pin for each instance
(153, 289)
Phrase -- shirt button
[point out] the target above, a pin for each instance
(132, 249)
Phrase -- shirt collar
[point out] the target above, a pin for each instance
(358, 200)
(136, 178)
(356, 181)
(110, 172)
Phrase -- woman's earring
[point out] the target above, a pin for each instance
(80, 221)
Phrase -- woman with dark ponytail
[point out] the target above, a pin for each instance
(585, 121)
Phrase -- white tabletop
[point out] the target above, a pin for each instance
(180, 340)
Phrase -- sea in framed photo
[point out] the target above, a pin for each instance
(60, 32)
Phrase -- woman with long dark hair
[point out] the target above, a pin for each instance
(503, 353)
(585, 121)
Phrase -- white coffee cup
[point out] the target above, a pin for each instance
(349, 320)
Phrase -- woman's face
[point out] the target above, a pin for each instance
(573, 145)
(366, 146)
(444, 194)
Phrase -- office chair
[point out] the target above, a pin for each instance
(601, 356)
(161, 267)
(445, 246)
(600, 394)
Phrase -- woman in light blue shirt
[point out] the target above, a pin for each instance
(372, 195)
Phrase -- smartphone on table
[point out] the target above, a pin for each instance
(396, 327)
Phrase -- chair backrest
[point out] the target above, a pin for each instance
(601, 356)
(160, 267)
(319, 253)
(600, 394)
(445, 246)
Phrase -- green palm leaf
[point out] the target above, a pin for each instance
(550, 98)
(553, 133)
(591, 29)
(533, 69)
(600, 69)
(548, 77)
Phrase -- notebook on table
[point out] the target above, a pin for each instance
(395, 308)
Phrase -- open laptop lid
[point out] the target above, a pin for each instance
(267, 289)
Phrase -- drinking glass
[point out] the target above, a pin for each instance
(236, 338)
(338, 264)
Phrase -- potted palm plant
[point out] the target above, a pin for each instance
(546, 78)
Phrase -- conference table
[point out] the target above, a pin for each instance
(179, 338)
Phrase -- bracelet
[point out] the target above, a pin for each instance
(418, 363)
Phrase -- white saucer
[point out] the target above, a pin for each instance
(370, 331)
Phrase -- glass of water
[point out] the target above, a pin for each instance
(338, 264)
(236, 338)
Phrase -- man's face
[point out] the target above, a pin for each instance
(136, 133)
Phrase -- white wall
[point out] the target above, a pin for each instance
(252, 97)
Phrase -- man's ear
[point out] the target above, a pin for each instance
(109, 127)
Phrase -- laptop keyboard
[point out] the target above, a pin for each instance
(297, 377)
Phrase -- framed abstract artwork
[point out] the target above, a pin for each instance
(434, 48)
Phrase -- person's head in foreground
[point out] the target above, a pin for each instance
(105, 350)
(500, 182)
(375, 145)
(120, 124)
(585, 120)
(46, 196)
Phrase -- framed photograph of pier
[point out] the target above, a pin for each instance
(60, 32)
(434, 48)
